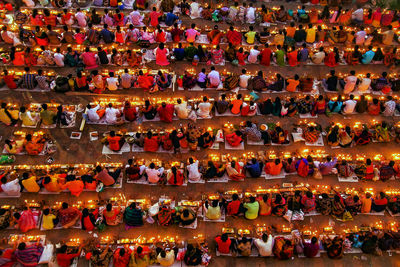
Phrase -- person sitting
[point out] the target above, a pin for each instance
(115, 142)
(214, 78)
(133, 216)
(214, 170)
(204, 108)
(363, 137)
(252, 208)
(75, 186)
(48, 117)
(382, 133)
(151, 143)
(175, 176)
(283, 248)
(279, 206)
(113, 116)
(387, 171)
(166, 112)
(193, 170)
(64, 258)
(95, 114)
(244, 246)
(187, 216)
(320, 105)
(7, 116)
(213, 211)
(13, 146)
(30, 183)
(254, 168)
(235, 171)
(89, 182)
(29, 255)
(265, 244)
(224, 243)
(144, 81)
(112, 215)
(68, 216)
(206, 140)
(279, 136)
(326, 168)
(163, 80)
(338, 207)
(379, 203)
(333, 136)
(273, 167)
(107, 177)
(333, 247)
(308, 202)
(149, 111)
(235, 206)
(234, 139)
(311, 248)
(374, 108)
(214, 36)
(34, 145)
(193, 256)
(311, 134)
(353, 204)
(88, 219)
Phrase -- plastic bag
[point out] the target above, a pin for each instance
(298, 216)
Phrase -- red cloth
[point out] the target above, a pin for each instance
(381, 201)
(179, 178)
(154, 15)
(151, 144)
(223, 247)
(266, 57)
(9, 254)
(234, 37)
(233, 207)
(130, 113)
(9, 80)
(330, 60)
(113, 143)
(89, 59)
(233, 139)
(19, 59)
(292, 58)
(145, 81)
(122, 261)
(166, 113)
(176, 35)
(64, 259)
(50, 20)
(161, 37)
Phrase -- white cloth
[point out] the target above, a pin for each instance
(358, 14)
(92, 113)
(12, 188)
(360, 37)
(244, 80)
(214, 78)
(265, 248)
(251, 15)
(204, 109)
(193, 169)
(29, 3)
(112, 83)
(364, 85)
(253, 56)
(129, 4)
(59, 59)
(181, 111)
(153, 175)
(194, 10)
(81, 18)
(111, 115)
(349, 106)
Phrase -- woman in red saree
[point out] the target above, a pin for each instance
(292, 57)
(234, 139)
(234, 37)
(332, 59)
(235, 171)
(144, 81)
(25, 220)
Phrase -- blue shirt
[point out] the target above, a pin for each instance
(367, 57)
(303, 55)
(170, 19)
(254, 169)
(179, 53)
(107, 36)
(336, 109)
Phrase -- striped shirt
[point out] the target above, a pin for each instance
(29, 81)
(30, 255)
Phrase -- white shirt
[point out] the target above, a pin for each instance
(253, 56)
(195, 10)
(204, 109)
(12, 188)
(181, 110)
(244, 80)
(265, 248)
(251, 15)
(193, 170)
(214, 78)
(111, 115)
(59, 59)
(349, 106)
(112, 83)
(364, 85)
(92, 113)
(128, 4)
(360, 37)
(81, 18)
(153, 175)
(358, 14)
